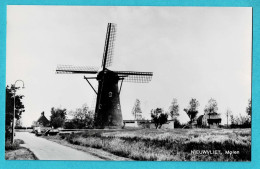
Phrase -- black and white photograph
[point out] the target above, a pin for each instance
(128, 83)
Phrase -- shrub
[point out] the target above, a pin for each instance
(14, 146)
(19, 141)
(146, 124)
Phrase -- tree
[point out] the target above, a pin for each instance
(249, 107)
(174, 110)
(9, 108)
(228, 113)
(18, 123)
(82, 118)
(158, 117)
(244, 121)
(234, 121)
(211, 108)
(177, 124)
(136, 111)
(34, 124)
(192, 109)
(240, 121)
(57, 118)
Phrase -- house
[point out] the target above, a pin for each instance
(211, 120)
(43, 121)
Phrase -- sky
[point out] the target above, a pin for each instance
(193, 52)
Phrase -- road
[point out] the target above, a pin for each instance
(48, 150)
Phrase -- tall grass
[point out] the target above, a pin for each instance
(163, 145)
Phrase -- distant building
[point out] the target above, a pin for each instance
(146, 124)
(43, 121)
(200, 121)
(210, 120)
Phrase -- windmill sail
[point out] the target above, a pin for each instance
(109, 46)
(135, 77)
(69, 69)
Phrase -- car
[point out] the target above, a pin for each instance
(51, 132)
(38, 133)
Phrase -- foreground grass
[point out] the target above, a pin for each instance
(96, 152)
(20, 154)
(16, 152)
(169, 145)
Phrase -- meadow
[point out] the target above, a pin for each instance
(168, 145)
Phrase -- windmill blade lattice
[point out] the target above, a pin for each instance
(109, 45)
(69, 69)
(135, 77)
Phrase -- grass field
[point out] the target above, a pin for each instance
(169, 145)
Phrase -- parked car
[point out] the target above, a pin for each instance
(39, 131)
(51, 132)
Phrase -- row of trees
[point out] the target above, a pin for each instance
(81, 118)
(159, 117)
(241, 121)
(84, 117)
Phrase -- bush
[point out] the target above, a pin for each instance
(8, 133)
(14, 146)
(19, 141)
(70, 125)
(146, 125)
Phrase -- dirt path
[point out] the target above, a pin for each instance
(48, 150)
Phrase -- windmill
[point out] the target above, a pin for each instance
(108, 109)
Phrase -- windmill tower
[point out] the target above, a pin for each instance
(108, 109)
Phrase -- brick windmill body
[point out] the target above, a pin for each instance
(108, 108)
